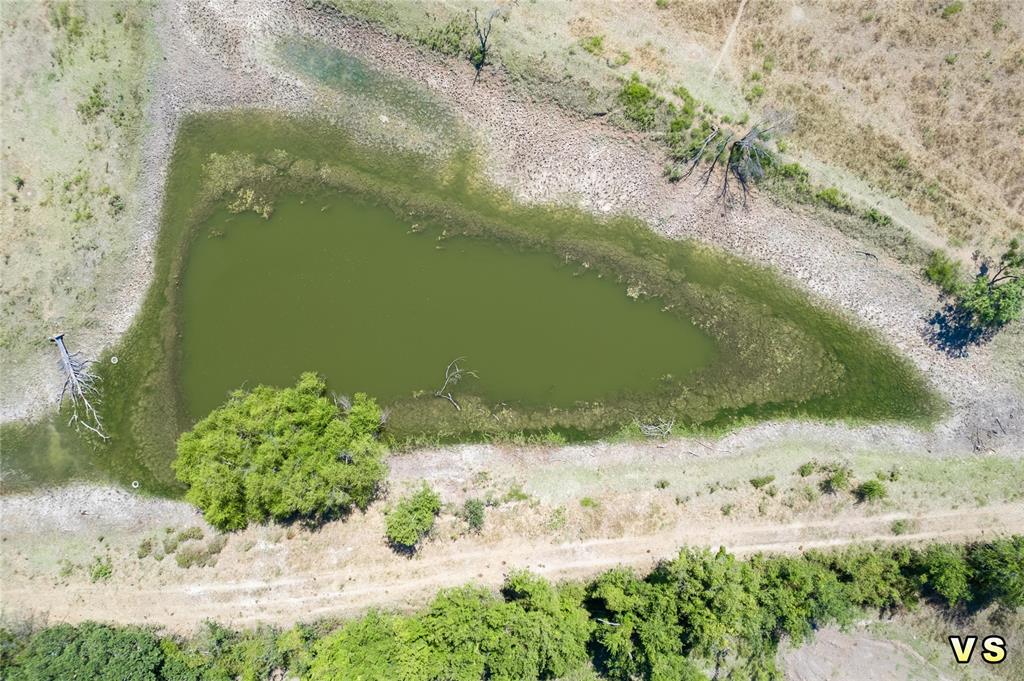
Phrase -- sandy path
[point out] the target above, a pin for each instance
(310, 578)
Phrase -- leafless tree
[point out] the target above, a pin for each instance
(743, 159)
(79, 385)
(452, 375)
(483, 35)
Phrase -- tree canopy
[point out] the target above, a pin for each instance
(699, 615)
(282, 454)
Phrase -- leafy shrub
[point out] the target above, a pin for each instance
(870, 490)
(838, 480)
(662, 484)
(639, 103)
(834, 198)
(412, 518)
(762, 481)
(448, 39)
(806, 469)
(101, 569)
(94, 104)
(282, 454)
(998, 569)
(901, 526)
(875, 216)
(172, 541)
(943, 271)
(946, 572)
(473, 511)
(593, 44)
(588, 502)
(145, 548)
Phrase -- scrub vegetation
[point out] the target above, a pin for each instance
(700, 614)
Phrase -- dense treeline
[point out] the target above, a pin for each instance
(689, 617)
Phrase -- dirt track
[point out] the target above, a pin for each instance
(345, 568)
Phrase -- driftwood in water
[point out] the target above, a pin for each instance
(452, 375)
(79, 385)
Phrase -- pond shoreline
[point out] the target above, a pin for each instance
(541, 153)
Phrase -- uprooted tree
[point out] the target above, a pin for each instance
(79, 388)
(744, 159)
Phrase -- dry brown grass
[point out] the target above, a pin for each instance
(924, 107)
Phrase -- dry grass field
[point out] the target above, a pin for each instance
(73, 103)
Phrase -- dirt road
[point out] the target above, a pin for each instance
(282, 577)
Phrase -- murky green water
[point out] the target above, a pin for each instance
(346, 288)
(378, 266)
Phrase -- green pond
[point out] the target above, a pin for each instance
(344, 287)
(293, 244)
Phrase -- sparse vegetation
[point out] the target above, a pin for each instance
(952, 9)
(806, 469)
(101, 569)
(412, 518)
(762, 481)
(198, 555)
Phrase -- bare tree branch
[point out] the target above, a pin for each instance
(453, 373)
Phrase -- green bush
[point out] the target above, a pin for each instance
(946, 573)
(952, 8)
(593, 44)
(639, 103)
(998, 569)
(282, 454)
(101, 569)
(834, 198)
(944, 272)
(837, 480)
(412, 518)
(806, 469)
(474, 512)
(870, 490)
(762, 481)
(89, 651)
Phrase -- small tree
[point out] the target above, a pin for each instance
(478, 55)
(996, 296)
(412, 518)
(473, 512)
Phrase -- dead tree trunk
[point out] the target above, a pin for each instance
(79, 385)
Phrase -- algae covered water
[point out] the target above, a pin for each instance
(348, 289)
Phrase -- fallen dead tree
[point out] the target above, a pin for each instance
(452, 375)
(80, 388)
